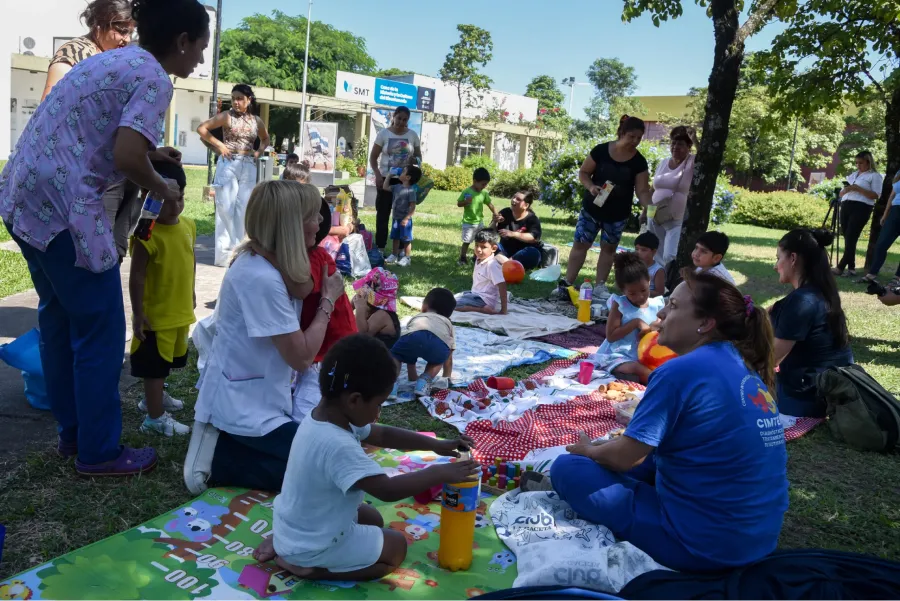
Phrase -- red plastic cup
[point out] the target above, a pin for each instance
(501, 383)
(585, 371)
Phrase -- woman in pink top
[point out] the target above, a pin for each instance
(101, 123)
(671, 184)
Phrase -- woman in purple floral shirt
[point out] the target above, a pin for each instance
(101, 123)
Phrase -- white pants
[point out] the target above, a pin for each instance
(669, 236)
(307, 393)
(235, 179)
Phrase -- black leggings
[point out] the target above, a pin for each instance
(384, 202)
(854, 217)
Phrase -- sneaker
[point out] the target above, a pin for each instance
(165, 424)
(423, 387)
(395, 391)
(404, 262)
(600, 294)
(169, 404)
(390, 260)
(561, 292)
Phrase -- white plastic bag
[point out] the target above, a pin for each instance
(359, 257)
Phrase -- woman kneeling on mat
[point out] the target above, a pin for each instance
(698, 480)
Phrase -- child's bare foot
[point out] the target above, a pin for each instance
(308, 573)
(265, 551)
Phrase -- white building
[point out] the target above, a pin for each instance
(38, 29)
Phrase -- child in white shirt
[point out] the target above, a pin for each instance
(709, 251)
(488, 294)
(322, 528)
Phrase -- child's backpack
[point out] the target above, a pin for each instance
(861, 412)
(423, 188)
(549, 255)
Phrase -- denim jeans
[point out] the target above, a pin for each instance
(889, 234)
(529, 257)
(82, 321)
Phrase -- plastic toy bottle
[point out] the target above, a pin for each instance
(458, 504)
(149, 213)
(585, 294)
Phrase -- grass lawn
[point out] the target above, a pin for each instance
(840, 498)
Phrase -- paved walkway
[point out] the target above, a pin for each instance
(20, 425)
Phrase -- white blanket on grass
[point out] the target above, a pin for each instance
(520, 323)
(554, 547)
(480, 354)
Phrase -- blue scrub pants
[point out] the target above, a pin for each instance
(626, 503)
(82, 321)
(529, 257)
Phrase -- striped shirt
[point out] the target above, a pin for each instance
(74, 51)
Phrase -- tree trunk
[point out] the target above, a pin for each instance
(892, 137)
(723, 83)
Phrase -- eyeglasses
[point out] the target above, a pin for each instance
(124, 29)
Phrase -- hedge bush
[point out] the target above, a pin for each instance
(779, 210)
(504, 184)
(343, 163)
(474, 161)
(453, 178)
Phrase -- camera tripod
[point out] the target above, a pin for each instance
(834, 214)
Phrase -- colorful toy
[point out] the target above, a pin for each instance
(513, 272)
(651, 354)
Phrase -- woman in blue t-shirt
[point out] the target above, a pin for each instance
(698, 480)
(810, 325)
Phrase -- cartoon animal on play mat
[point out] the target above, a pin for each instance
(196, 521)
(416, 528)
(503, 560)
(15, 589)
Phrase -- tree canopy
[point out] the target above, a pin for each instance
(270, 51)
(461, 69)
(547, 92)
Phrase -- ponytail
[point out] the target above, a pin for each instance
(628, 123)
(738, 320)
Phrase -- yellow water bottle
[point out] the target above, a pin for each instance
(458, 504)
(585, 296)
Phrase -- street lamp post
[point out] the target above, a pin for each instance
(570, 81)
(214, 99)
(305, 71)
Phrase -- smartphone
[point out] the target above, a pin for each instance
(846, 183)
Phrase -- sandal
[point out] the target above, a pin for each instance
(130, 462)
(535, 481)
(866, 279)
(837, 271)
(895, 282)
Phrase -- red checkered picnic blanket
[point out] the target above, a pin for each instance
(553, 425)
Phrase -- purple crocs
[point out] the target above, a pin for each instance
(130, 462)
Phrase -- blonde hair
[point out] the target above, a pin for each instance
(867, 156)
(274, 220)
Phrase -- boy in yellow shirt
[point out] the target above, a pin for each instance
(161, 286)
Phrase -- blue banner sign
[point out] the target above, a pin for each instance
(395, 93)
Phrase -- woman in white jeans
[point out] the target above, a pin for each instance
(671, 184)
(236, 167)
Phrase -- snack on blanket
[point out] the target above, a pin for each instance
(625, 411)
(621, 386)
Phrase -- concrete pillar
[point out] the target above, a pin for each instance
(359, 127)
(489, 148)
(451, 144)
(264, 114)
(171, 134)
(524, 144)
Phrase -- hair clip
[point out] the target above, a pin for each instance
(748, 304)
(332, 374)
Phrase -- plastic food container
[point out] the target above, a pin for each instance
(625, 411)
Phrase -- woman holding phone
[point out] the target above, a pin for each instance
(858, 197)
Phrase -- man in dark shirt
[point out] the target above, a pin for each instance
(520, 231)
